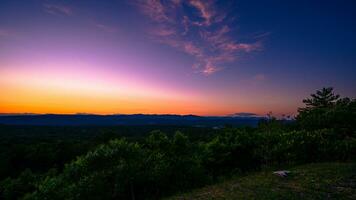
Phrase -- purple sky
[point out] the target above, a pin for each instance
(185, 57)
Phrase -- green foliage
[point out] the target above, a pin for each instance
(306, 146)
(127, 170)
(161, 165)
(108, 172)
(231, 151)
(111, 166)
(14, 188)
(40, 148)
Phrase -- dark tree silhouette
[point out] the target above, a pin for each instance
(325, 109)
(321, 99)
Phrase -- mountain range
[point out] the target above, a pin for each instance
(120, 119)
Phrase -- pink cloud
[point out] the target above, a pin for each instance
(205, 9)
(153, 8)
(192, 49)
(185, 23)
(58, 9)
(216, 38)
(232, 46)
(209, 69)
(171, 42)
(177, 2)
(220, 40)
(222, 58)
(208, 41)
(185, 46)
(162, 31)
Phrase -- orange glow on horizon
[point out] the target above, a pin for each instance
(43, 90)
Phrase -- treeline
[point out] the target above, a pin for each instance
(40, 148)
(159, 165)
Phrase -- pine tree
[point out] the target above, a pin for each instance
(323, 98)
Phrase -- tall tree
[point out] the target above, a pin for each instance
(325, 109)
(323, 98)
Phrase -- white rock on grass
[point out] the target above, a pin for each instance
(282, 173)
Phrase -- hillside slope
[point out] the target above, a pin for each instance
(312, 181)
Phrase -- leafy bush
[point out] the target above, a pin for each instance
(127, 170)
(307, 146)
(231, 151)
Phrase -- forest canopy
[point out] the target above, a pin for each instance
(155, 165)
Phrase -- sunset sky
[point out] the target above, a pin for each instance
(203, 57)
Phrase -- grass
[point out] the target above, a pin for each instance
(312, 181)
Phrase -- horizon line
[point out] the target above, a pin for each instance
(243, 114)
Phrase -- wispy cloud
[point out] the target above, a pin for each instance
(163, 31)
(201, 31)
(206, 10)
(56, 9)
(255, 80)
(152, 8)
(106, 28)
(210, 68)
(4, 33)
(259, 77)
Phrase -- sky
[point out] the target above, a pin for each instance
(203, 57)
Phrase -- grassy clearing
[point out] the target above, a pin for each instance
(312, 181)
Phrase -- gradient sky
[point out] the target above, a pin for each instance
(201, 57)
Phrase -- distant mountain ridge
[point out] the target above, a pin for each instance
(121, 119)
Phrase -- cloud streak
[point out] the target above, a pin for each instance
(106, 28)
(4, 33)
(153, 9)
(205, 9)
(59, 10)
(259, 77)
(197, 28)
